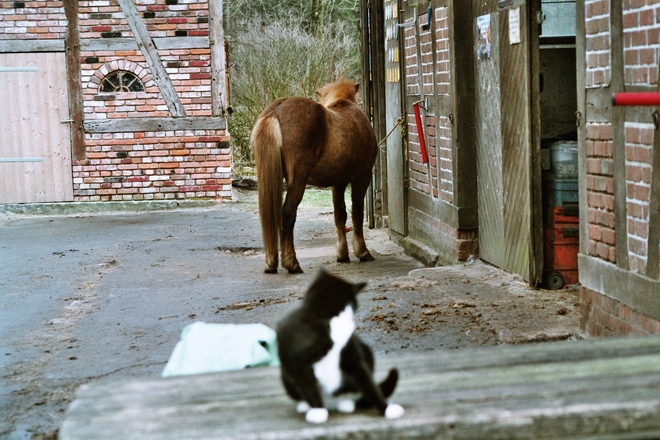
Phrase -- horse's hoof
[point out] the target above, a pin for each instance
(295, 270)
(367, 257)
(343, 260)
(268, 270)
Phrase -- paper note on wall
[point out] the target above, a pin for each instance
(514, 25)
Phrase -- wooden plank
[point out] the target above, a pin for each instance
(464, 150)
(146, 45)
(634, 290)
(395, 185)
(489, 148)
(154, 124)
(619, 138)
(161, 43)
(515, 86)
(219, 95)
(581, 66)
(36, 146)
(536, 192)
(32, 46)
(74, 80)
(582, 389)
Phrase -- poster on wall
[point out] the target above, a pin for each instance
(484, 37)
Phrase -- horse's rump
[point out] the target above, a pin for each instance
(327, 144)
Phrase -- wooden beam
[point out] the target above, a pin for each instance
(581, 66)
(451, 215)
(597, 389)
(218, 64)
(146, 45)
(463, 129)
(619, 137)
(163, 43)
(634, 290)
(154, 124)
(74, 81)
(27, 46)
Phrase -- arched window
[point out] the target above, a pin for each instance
(121, 81)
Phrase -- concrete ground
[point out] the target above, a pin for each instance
(90, 296)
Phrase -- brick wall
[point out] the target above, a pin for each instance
(602, 315)
(410, 61)
(143, 165)
(103, 19)
(32, 20)
(154, 166)
(600, 191)
(442, 65)
(434, 179)
(640, 41)
(598, 42)
(639, 140)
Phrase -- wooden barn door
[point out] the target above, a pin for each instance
(396, 160)
(505, 138)
(35, 145)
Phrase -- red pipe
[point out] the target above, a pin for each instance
(420, 132)
(636, 98)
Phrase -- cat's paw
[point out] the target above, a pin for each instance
(393, 411)
(346, 406)
(302, 407)
(317, 415)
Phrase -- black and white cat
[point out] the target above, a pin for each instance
(323, 362)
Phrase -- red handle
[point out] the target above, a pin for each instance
(420, 133)
(636, 98)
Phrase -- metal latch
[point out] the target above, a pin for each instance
(67, 121)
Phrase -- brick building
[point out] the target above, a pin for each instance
(113, 100)
(492, 94)
(620, 197)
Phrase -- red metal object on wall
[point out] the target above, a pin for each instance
(420, 132)
(637, 98)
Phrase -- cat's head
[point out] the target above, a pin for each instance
(328, 295)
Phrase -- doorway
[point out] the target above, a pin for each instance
(558, 106)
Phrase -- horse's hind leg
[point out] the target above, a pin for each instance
(340, 222)
(294, 195)
(358, 190)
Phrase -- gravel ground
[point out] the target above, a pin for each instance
(105, 296)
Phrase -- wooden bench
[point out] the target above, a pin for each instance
(597, 389)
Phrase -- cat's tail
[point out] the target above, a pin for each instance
(387, 388)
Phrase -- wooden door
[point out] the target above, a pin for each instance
(506, 142)
(396, 160)
(35, 139)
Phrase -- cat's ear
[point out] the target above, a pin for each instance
(357, 287)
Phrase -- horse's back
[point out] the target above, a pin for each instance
(350, 146)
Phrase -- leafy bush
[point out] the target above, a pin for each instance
(283, 58)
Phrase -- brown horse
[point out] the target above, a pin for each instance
(326, 144)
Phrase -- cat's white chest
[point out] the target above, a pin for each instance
(327, 370)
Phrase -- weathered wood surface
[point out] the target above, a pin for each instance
(154, 124)
(597, 389)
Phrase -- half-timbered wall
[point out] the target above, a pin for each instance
(621, 155)
(441, 209)
(165, 141)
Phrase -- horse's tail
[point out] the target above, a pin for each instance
(266, 141)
